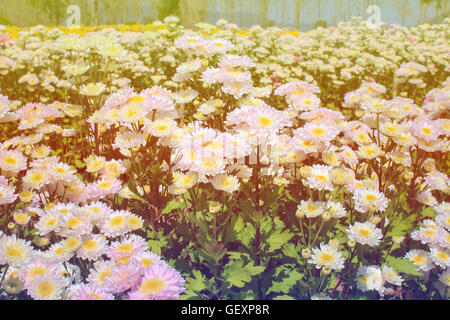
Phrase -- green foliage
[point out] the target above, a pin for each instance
(237, 274)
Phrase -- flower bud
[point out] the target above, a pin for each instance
(351, 243)
(326, 217)
(375, 219)
(429, 165)
(26, 196)
(305, 172)
(214, 207)
(398, 240)
(407, 175)
(13, 285)
(334, 243)
(306, 253)
(300, 214)
(326, 270)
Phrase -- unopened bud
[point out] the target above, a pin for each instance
(300, 214)
(214, 207)
(326, 216)
(407, 175)
(429, 165)
(306, 253)
(375, 219)
(334, 243)
(351, 243)
(305, 172)
(326, 270)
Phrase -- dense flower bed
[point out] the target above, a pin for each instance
(155, 162)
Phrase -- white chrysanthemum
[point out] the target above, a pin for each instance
(7, 195)
(35, 179)
(444, 277)
(161, 127)
(444, 220)
(365, 233)
(371, 278)
(15, 252)
(320, 178)
(226, 183)
(12, 161)
(93, 89)
(335, 209)
(115, 225)
(440, 256)
(426, 235)
(369, 152)
(184, 180)
(47, 223)
(310, 209)
(46, 287)
(391, 276)
(92, 247)
(327, 256)
(369, 200)
(442, 208)
(421, 259)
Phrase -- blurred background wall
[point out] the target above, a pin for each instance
(299, 14)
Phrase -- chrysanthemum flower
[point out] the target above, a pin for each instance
(310, 209)
(15, 252)
(12, 161)
(440, 256)
(371, 278)
(444, 277)
(46, 287)
(161, 127)
(101, 270)
(93, 89)
(319, 131)
(115, 225)
(123, 277)
(365, 233)
(37, 268)
(369, 200)
(227, 183)
(335, 209)
(90, 292)
(122, 251)
(421, 259)
(319, 178)
(160, 282)
(92, 248)
(7, 195)
(389, 275)
(327, 256)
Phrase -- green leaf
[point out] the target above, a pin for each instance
(403, 266)
(172, 205)
(246, 235)
(237, 275)
(290, 250)
(283, 297)
(79, 164)
(197, 283)
(286, 284)
(277, 239)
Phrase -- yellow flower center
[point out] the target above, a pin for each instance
(265, 122)
(46, 288)
(317, 132)
(364, 232)
(152, 286)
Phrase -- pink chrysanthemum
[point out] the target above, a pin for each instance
(160, 282)
(90, 292)
(123, 277)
